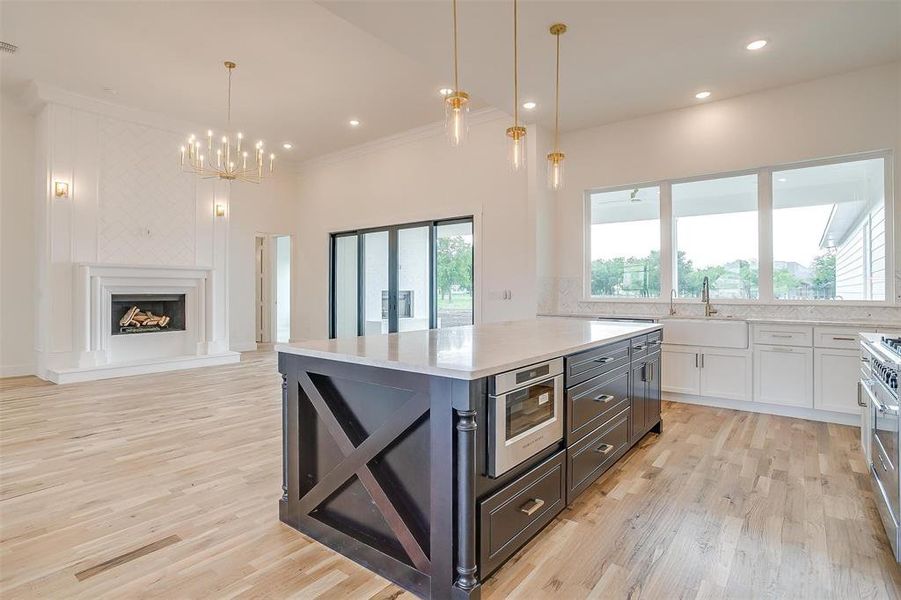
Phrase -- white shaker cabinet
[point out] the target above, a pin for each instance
(783, 375)
(679, 370)
(836, 374)
(710, 372)
(725, 373)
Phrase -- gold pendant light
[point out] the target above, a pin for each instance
(456, 104)
(555, 158)
(517, 133)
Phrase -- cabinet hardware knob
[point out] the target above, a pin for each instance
(531, 506)
(604, 449)
(604, 398)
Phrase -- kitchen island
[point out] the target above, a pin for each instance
(432, 456)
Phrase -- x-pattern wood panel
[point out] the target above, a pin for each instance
(356, 459)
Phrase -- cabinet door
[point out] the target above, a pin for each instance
(638, 394)
(783, 375)
(725, 374)
(652, 402)
(836, 373)
(680, 369)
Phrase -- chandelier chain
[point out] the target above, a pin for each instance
(515, 66)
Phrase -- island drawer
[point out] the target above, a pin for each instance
(598, 452)
(593, 402)
(510, 517)
(655, 340)
(597, 361)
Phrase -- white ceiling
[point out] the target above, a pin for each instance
(302, 73)
(628, 58)
(305, 68)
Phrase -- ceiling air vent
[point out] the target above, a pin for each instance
(7, 47)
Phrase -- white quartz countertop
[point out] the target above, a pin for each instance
(862, 325)
(472, 351)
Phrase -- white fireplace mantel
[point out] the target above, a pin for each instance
(100, 355)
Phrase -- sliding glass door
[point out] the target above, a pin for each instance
(401, 278)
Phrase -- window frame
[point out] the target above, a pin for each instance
(392, 231)
(764, 231)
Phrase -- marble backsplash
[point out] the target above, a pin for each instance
(564, 296)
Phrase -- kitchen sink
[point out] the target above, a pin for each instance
(713, 333)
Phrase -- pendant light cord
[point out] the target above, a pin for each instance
(229, 116)
(515, 67)
(456, 75)
(557, 101)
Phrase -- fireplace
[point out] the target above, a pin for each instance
(132, 314)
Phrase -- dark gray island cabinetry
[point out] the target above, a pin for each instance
(391, 442)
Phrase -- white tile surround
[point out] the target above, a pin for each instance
(565, 296)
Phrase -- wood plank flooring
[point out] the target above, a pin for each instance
(166, 486)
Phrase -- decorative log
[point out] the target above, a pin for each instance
(127, 317)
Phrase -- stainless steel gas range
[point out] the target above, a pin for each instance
(880, 367)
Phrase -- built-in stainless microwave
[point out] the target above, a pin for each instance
(525, 414)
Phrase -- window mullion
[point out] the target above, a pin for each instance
(765, 235)
(667, 241)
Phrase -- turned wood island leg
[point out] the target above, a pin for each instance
(466, 518)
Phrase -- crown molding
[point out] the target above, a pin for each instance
(424, 132)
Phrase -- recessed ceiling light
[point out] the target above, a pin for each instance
(287, 145)
(782, 180)
(445, 91)
(702, 95)
(354, 123)
(756, 45)
(529, 105)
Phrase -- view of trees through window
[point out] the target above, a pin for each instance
(453, 276)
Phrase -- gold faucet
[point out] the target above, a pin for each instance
(705, 298)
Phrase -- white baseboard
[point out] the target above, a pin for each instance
(109, 371)
(811, 414)
(16, 370)
(245, 346)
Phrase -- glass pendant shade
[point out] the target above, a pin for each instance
(555, 170)
(516, 144)
(456, 123)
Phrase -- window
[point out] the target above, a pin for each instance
(402, 278)
(625, 243)
(716, 237)
(829, 232)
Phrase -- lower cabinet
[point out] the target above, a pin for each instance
(835, 376)
(514, 514)
(712, 372)
(644, 390)
(783, 375)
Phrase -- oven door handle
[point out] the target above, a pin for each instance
(886, 410)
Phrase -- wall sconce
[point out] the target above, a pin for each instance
(219, 210)
(61, 189)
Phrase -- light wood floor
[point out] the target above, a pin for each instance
(166, 486)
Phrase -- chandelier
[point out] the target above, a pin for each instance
(226, 157)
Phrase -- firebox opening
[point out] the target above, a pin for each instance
(147, 313)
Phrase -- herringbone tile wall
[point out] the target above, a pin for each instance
(147, 205)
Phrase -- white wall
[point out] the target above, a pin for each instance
(17, 243)
(418, 176)
(268, 208)
(128, 204)
(844, 114)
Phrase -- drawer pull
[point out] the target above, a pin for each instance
(603, 360)
(639, 347)
(843, 339)
(604, 398)
(531, 506)
(781, 335)
(656, 342)
(604, 449)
